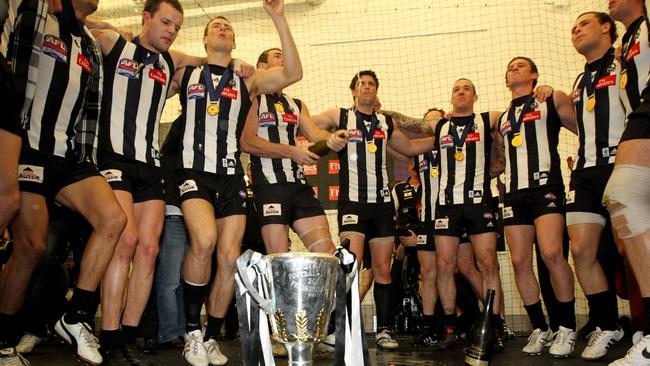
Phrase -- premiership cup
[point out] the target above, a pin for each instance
(299, 297)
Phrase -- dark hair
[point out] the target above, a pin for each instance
(434, 109)
(356, 77)
(470, 83)
(205, 30)
(602, 19)
(533, 66)
(264, 56)
(151, 6)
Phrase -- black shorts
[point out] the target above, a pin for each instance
(374, 220)
(47, 174)
(285, 203)
(10, 120)
(427, 236)
(638, 122)
(586, 190)
(522, 207)
(143, 181)
(226, 193)
(474, 219)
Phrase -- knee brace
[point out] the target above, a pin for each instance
(627, 197)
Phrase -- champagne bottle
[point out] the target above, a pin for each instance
(480, 352)
(320, 148)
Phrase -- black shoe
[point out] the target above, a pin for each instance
(125, 356)
(449, 339)
(150, 346)
(586, 330)
(425, 339)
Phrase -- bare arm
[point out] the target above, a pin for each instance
(335, 141)
(565, 109)
(106, 39)
(328, 120)
(409, 123)
(498, 163)
(182, 60)
(403, 145)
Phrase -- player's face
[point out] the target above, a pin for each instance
(619, 9)
(463, 95)
(587, 33)
(519, 71)
(366, 91)
(221, 35)
(276, 58)
(161, 28)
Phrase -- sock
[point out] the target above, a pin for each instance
(497, 322)
(8, 325)
(193, 296)
(130, 334)
(604, 307)
(111, 339)
(536, 316)
(567, 311)
(427, 324)
(383, 304)
(450, 322)
(646, 315)
(82, 307)
(213, 330)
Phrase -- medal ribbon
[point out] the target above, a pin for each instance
(368, 133)
(223, 81)
(150, 59)
(460, 141)
(515, 123)
(432, 158)
(589, 85)
(627, 43)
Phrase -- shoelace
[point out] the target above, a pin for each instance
(88, 338)
(561, 337)
(595, 337)
(639, 344)
(535, 337)
(213, 347)
(193, 344)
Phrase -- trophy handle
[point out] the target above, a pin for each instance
(242, 264)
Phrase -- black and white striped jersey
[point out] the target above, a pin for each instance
(211, 142)
(66, 60)
(428, 170)
(536, 162)
(600, 129)
(133, 101)
(279, 120)
(635, 61)
(363, 176)
(466, 180)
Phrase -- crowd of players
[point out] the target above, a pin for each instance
(81, 130)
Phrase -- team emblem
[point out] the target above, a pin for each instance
(54, 47)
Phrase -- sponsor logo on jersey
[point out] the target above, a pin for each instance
(379, 135)
(609, 151)
(475, 194)
(30, 173)
(550, 196)
(267, 119)
(505, 127)
(229, 93)
(112, 175)
(488, 215)
(349, 219)
(272, 209)
(290, 119)
(540, 175)
(423, 165)
(473, 137)
(195, 91)
(242, 194)
(446, 142)
(54, 47)
(576, 95)
(355, 135)
(384, 193)
(441, 223)
(158, 76)
(188, 186)
(84, 63)
(606, 81)
(532, 116)
(127, 67)
(635, 50)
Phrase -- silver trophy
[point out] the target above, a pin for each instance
(298, 295)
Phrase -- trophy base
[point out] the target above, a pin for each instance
(299, 353)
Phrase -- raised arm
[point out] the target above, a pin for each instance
(404, 145)
(107, 38)
(328, 120)
(335, 141)
(409, 123)
(566, 111)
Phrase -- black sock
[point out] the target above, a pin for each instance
(567, 311)
(496, 321)
(193, 296)
(111, 339)
(603, 309)
(8, 326)
(213, 330)
(427, 324)
(130, 334)
(536, 316)
(646, 315)
(82, 307)
(450, 321)
(383, 304)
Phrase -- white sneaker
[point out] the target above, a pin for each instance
(27, 343)
(328, 344)
(194, 351)
(80, 335)
(385, 341)
(636, 337)
(599, 342)
(537, 340)
(214, 353)
(9, 357)
(565, 341)
(638, 355)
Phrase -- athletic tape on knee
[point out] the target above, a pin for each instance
(316, 236)
(580, 217)
(627, 196)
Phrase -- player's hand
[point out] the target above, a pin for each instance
(242, 69)
(377, 106)
(125, 33)
(338, 140)
(302, 155)
(543, 92)
(274, 7)
(409, 241)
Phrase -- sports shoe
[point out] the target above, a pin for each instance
(587, 330)
(385, 341)
(638, 355)
(9, 357)
(637, 337)
(426, 338)
(80, 335)
(537, 340)
(328, 344)
(194, 350)
(214, 353)
(28, 342)
(449, 339)
(565, 341)
(599, 343)
(124, 356)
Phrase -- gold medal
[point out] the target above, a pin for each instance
(623, 81)
(516, 140)
(591, 103)
(213, 108)
(459, 156)
(434, 172)
(279, 107)
(372, 147)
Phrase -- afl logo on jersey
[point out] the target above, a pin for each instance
(267, 119)
(54, 47)
(446, 142)
(127, 67)
(195, 91)
(355, 135)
